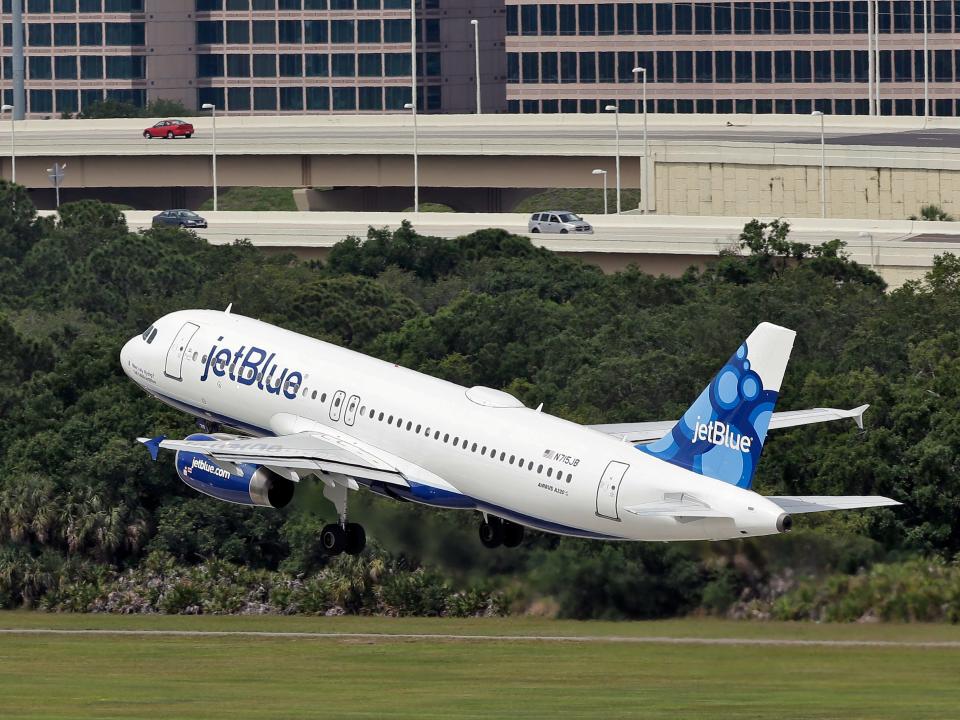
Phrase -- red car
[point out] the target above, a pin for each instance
(169, 129)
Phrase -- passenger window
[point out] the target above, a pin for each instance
(465, 443)
(530, 466)
(502, 456)
(336, 403)
(549, 472)
(512, 457)
(323, 398)
(313, 396)
(493, 453)
(380, 418)
(446, 437)
(409, 425)
(417, 431)
(474, 448)
(399, 422)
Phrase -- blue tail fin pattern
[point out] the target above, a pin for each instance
(721, 435)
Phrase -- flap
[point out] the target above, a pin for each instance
(676, 505)
(304, 451)
(645, 432)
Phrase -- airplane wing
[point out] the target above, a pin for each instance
(645, 432)
(303, 451)
(796, 504)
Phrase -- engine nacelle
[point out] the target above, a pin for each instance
(254, 485)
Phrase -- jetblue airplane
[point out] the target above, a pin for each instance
(306, 407)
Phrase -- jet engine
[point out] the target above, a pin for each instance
(252, 485)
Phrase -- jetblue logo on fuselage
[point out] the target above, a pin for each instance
(716, 432)
(252, 366)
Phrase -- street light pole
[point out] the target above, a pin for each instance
(416, 159)
(615, 109)
(926, 68)
(213, 114)
(13, 141)
(598, 171)
(646, 154)
(876, 55)
(19, 94)
(476, 57)
(823, 164)
(871, 70)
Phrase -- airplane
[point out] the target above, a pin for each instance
(305, 407)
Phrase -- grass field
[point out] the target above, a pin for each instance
(136, 676)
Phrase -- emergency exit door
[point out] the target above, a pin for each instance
(174, 365)
(609, 488)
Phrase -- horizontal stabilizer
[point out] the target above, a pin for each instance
(682, 506)
(797, 504)
(643, 432)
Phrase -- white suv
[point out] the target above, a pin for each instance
(558, 221)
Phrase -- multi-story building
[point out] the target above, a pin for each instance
(258, 56)
(346, 56)
(723, 57)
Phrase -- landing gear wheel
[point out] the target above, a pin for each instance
(512, 534)
(334, 539)
(491, 532)
(356, 539)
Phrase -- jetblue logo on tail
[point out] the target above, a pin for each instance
(718, 433)
(252, 366)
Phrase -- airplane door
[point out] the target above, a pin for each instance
(352, 404)
(336, 405)
(609, 488)
(174, 366)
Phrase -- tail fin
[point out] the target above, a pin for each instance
(721, 435)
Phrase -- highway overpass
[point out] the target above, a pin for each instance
(883, 168)
(898, 250)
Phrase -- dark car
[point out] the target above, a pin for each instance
(179, 218)
(169, 129)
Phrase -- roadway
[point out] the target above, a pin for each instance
(446, 134)
(899, 249)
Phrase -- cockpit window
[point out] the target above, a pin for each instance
(153, 334)
(146, 333)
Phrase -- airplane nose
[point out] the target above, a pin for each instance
(126, 354)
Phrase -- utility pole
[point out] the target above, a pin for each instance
(19, 95)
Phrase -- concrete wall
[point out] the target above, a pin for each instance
(790, 190)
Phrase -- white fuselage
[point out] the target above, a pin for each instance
(572, 480)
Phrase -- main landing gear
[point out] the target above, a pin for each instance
(495, 532)
(341, 536)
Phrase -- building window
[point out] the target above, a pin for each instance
(291, 65)
(396, 31)
(40, 67)
(664, 13)
(821, 17)
(90, 97)
(703, 18)
(625, 65)
(513, 67)
(704, 66)
(761, 18)
(369, 65)
(781, 18)
(722, 22)
(605, 67)
(684, 19)
(238, 66)
(264, 33)
(587, 17)
(341, 31)
(60, 6)
(291, 98)
(89, 6)
(344, 98)
(91, 67)
(664, 69)
(548, 19)
(531, 67)
(315, 31)
(396, 98)
(743, 64)
(238, 98)
(265, 65)
(125, 33)
(316, 65)
(841, 17)
(41, 101)
(123, 6)
(684, 66)
(133, 67)
(605, 24)
(370, 98)
(368, 31)
(821, 66)
(782, 66)
(528, 19)
(65, 67)
(588, 67)
(512, 19)
(289, 31)
(568, 20)
(801, 66)
(238, 32)
(264, 98)
(68, 101)
(64, 34)
(342, 65)
(209, 32)
(318, 98)
(724, 66)
(92, 33)
(207, 66)
(398, 64)
(568, 67)
(36, 6)
(625, 19)
(763, 66)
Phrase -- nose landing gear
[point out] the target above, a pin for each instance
(495, 532)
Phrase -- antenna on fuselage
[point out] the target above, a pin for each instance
(227, 311)
(539, 407)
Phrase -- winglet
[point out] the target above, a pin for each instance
(153, 445)
(857, 415)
